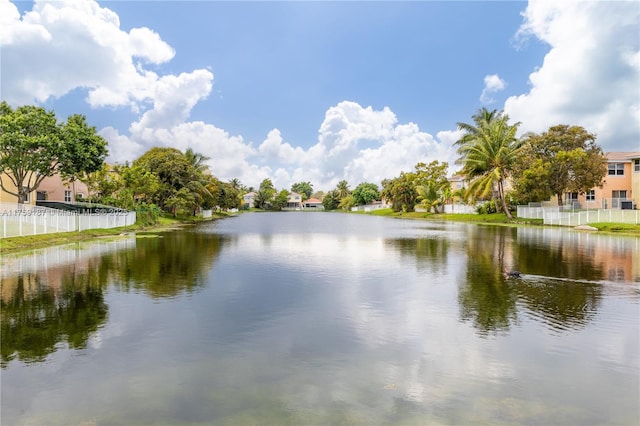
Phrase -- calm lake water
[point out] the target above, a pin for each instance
(319, 318)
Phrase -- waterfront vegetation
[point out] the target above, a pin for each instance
(168, 222)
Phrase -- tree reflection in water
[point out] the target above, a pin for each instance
(66, 303)
(37, 316)
(491, 301)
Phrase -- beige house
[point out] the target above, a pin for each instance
(620, 186)
(294, 201)
(52, 188)
(249, 198)
(6, 197)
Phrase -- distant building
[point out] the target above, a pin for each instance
(249, 199)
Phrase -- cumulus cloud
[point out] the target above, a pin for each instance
(492, 84)
(590, 76)
(60, 46)
(360, 144)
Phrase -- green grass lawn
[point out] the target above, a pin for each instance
(497, 218)
(30, 242)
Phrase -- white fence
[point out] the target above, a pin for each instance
(553, 215)
(24, 219)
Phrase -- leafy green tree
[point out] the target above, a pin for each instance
(177, 174)
(346, 202)
(488, 152)
(280, 200)
(103, 183)
(83, 150)
(34, 146)
(181, 201)
(141, 182)
(331, 200)
(365, 193)
(401, 192)
(303, 188)
(562, 159)
(434, 172)
(266, 193)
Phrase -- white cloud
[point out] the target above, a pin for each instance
(591, 75)
(63, 45)
(492, 84)
(274, 149)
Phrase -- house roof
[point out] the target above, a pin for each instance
(622, 156)
(313, 201)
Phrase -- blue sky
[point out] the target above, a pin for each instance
(322, 91)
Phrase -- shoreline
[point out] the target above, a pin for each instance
(24, 244)
(17, 245)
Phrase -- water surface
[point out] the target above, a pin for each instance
(320, 318)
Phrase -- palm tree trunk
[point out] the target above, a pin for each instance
(502, 199)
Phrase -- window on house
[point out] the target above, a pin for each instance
(616, 169)
(591, 195)
(636, 165)
(571, 196)
(41, 196)
(619, 194)
(79, 195)
(67, 196)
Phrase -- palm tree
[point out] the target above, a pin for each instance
(235, 183)
(197, 160)
(430, 195)
(488, 152)
(343, 189)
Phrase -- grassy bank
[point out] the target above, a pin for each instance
(30, 242)
(495, 218)
(501, 219)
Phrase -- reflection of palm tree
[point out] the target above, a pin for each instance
(488, 151)
(486, 298)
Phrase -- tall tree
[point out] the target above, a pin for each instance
(343, 189)
(401, 192)
(562, 159)
(265, 195)
(488, 151)
(34, 146)
(365, 193)
(331, 200)
(303, 188)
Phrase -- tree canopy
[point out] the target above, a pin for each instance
(33, 146)
(365, 193)
(562, 159)
(303, 188)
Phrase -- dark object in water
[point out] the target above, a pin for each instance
(511, 274)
